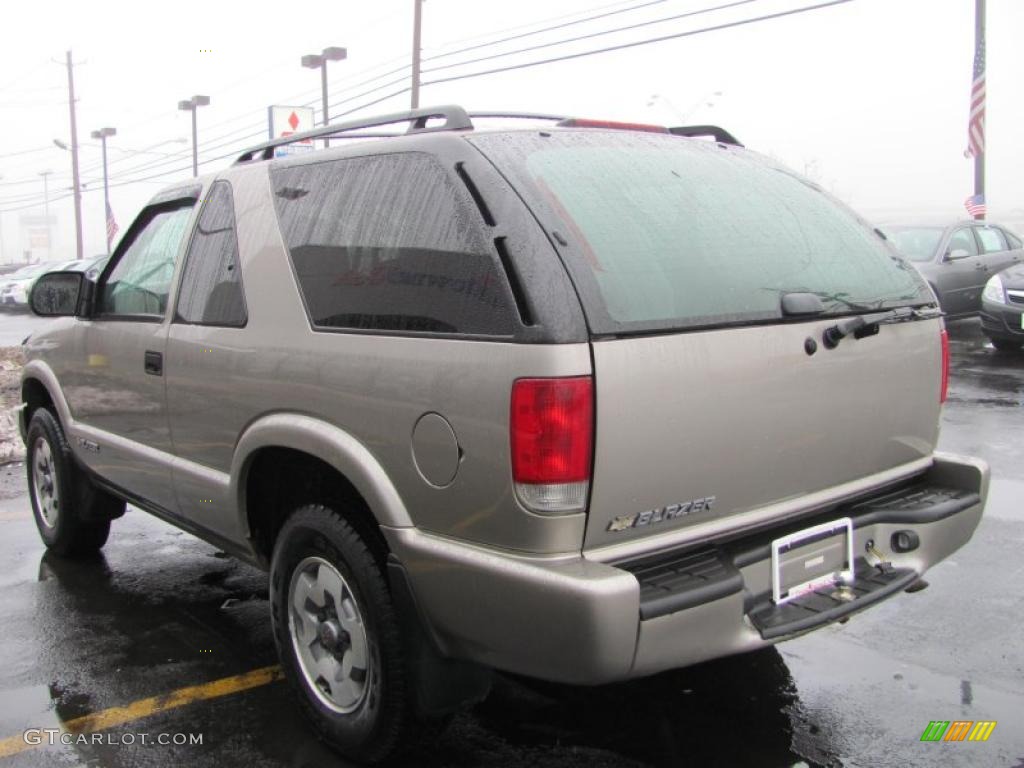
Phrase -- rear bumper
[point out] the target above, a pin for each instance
(578, 621)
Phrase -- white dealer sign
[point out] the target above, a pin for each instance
(285, 121)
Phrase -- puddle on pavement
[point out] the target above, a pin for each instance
(27, 707)
(1004, 499)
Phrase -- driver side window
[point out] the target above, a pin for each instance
(140, 282)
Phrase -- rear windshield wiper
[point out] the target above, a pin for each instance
(797, 303)
(836, 333)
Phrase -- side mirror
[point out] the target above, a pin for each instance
(57, 294)
(957, 253)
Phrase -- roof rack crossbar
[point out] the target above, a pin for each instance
(719, 134)
(455, 119)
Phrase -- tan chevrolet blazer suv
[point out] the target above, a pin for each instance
(577, 400)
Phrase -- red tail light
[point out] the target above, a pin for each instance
(552, 434)
(945, 366)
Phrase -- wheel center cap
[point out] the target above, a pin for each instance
(329, 633)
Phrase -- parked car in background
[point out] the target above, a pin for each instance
(1002, 309)
(957, 260)
(14, 289)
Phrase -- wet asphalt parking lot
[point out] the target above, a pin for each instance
(109, 639)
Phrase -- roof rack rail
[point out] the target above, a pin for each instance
(455, 119)
(519, 115)
(719, 134)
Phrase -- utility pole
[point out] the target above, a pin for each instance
(74, 160)
(978, 99)
(417, 20)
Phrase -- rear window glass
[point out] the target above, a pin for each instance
(667, 232)
(385, 243)
(916, 243)
(991, 239)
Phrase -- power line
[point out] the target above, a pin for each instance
(233, 142)
(615, 30)
(258, 130)
(623, 46)
(36, 204)
(27, 74)
(26, 152)
(637, 43)
(400, 70)
(485, 35)
(546, 29)
(254, 130)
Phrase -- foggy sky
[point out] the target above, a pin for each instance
(869, 98)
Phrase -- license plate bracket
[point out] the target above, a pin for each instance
(815, 558)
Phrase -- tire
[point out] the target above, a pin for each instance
(1006, 345)
(322, 571)
(73, 518)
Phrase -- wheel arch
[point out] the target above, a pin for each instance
(40, 389)
(286, 459)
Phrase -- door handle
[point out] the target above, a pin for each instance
(154, 363)
(980, 266)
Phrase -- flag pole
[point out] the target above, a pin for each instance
(979, 157)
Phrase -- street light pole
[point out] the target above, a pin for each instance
(417, 22)
(102, 135)
(319, 60)
(191, 105)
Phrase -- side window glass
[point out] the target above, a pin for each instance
(211, 285)
(387, 243)
(991, 239)
(1012, 240)
(140, 282)
(962, 240)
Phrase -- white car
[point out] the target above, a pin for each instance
(15, 289)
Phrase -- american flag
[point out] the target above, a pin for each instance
(975, 205)
(112, 227)
(976, 123)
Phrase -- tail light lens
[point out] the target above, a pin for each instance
(552, 436)
(945, 366)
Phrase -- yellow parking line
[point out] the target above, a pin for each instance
(108, 718)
